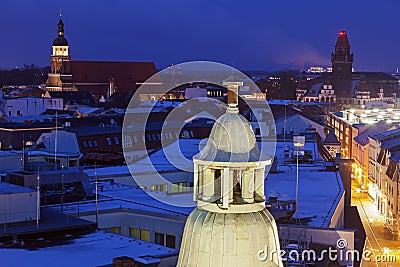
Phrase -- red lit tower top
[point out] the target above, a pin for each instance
(342, 65)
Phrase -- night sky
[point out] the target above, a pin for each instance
(257, 35)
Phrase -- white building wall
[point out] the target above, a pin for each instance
(132, 219)
(18, 207)
(30, 106)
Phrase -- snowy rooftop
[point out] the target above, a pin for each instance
(6, 188)
(115, 196)
(95, 249)
(313, 204)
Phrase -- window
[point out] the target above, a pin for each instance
(90, 144)
(84, 143)
(258, 132)
(108, 140)
(116, 141)
(95, 143)
(149, 137)
(170, 241)
(127, 141)
(134, 232)
(159, 239)
(18, 112)
(139, 234)
(145, 235)
(116, 229)
(165, 240)
(134, 139)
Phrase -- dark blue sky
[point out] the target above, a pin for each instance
(257, 35)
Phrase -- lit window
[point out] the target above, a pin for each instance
(90, 144)
(135, 139)
(145, 235)
(84, 143)
(95, 143)
(116, 230)
(134, 232)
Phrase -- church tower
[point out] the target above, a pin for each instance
(342, 66)
(230, 224)
(60, 78)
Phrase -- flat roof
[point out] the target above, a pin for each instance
(6, 188)
(94, 249)
(117, 196)
(319, 191)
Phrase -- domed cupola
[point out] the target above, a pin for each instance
(230, 224)
(60, 40)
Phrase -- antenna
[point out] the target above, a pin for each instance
(60, 12)
(23, 152)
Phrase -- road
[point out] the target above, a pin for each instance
(384, 248)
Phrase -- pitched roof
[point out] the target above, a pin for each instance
(331, 139)
(342, 40)
(379, 127)
(74, 97)
(125, 74)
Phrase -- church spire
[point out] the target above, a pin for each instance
(60, 26)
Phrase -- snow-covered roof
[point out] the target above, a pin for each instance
(66, 142)
(378, 127)
(6, 188)
(313, 204)
(94, 249)
(114, 196)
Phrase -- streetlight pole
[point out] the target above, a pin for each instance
(62, 188)
(97, 202)
(38, 199)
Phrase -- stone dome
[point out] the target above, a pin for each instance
(231, 140)
(229, 239)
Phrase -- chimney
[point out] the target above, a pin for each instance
(123, 261)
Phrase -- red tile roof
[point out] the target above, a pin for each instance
(125, 74)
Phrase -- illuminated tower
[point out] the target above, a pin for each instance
(342, 66)
(230, 224)
(60, 78)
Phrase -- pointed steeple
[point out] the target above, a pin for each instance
(342, 66)
(60, 40)
(342, 41)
